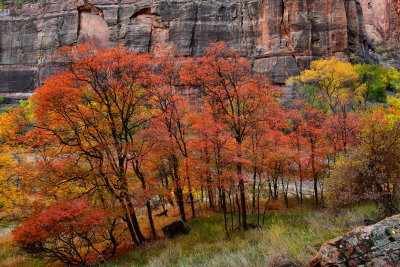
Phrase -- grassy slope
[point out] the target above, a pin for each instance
(288, 235)
(291, 235)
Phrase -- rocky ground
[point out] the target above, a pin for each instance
(375, 245)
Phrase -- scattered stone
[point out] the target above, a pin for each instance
(349, 224)
(368, 222)
(374, 245)
(287, 264)
(164, 213)
(253, 226)
(238, 229)
(176, 228)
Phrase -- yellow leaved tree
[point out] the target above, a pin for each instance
(332, 84)
(11, 183)
(335, 87)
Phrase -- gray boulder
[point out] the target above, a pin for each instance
(176, 228)
(374, 245)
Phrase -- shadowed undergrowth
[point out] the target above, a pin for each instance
(288, 236)
(293, 235)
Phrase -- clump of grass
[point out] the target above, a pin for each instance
(10, 256)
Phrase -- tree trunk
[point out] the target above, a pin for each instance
(150, 216)
(242, 197)
(177, 187)
(179, 201)
(275, 181)
(140, 175)
(190, 188)
(239, 215)
(202, 194)
(301, 184)
(285, 193)
(210, 195)
(135, 223)
(230, 203)
(130, 225)
(223, 197)
(192, 204)
(314, 172)
(254, 189)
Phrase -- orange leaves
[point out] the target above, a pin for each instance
(69, 231)
(235, 95)
(48, 222)
(131, 128)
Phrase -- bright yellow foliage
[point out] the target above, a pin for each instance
(335, 81)
(12, 194)
(10, 190)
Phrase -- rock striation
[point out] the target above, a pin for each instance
(382, 19)
(375, 245)
(281, 36)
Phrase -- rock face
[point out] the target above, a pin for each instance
(382, 19)
(375, 245)
(176, 228)
(281, 36)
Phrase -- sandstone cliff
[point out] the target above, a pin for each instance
(382, 18)
(281, 36)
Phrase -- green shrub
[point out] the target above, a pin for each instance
(4, 100)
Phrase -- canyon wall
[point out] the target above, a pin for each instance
(280, 36)
(382, 19)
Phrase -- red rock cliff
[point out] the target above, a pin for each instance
(282, 36)
(382, 20)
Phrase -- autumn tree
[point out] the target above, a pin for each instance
(297, 143)
(235, 96)
(370, 170)
(308, 134)
(334, 86)
(70, 231)
(93, 109)
(173, 126)
(213, 145)
(277, 162)
(331, 83)
(13, 162)
(316, 142)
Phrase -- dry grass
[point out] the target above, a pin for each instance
(289, 235)
(11, 257)
(292, 235)
(8, 255)
(173, 215)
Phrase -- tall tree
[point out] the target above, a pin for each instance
(174, 125)
(235, 95)
(94, 109)
(370, 171)
(333, 86)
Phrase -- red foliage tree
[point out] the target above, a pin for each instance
(236, 96)
(70, 231)
(93, 109)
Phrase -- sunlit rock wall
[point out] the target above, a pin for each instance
(280, 36)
